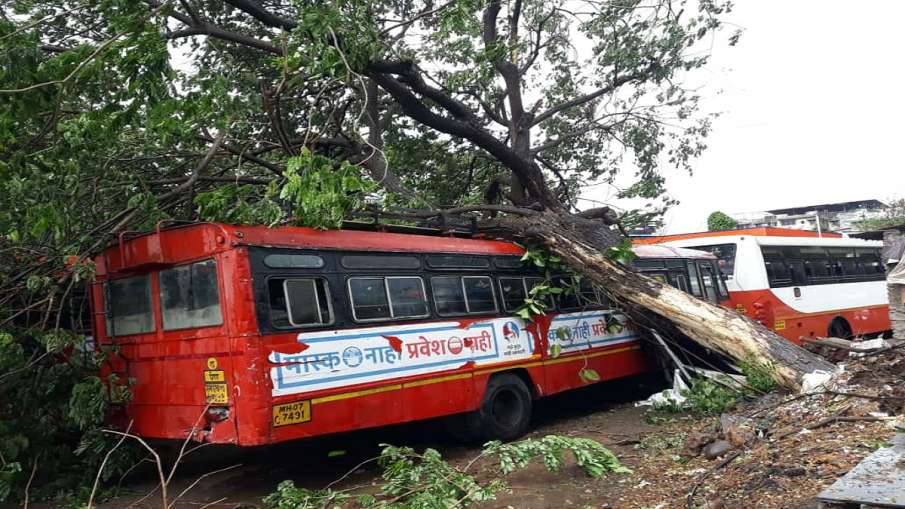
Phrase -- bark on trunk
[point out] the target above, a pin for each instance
(581, 246)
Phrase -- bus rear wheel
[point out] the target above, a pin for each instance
(505, 411)
(839, 328)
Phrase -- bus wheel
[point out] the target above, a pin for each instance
(839, 328)
(505, 411)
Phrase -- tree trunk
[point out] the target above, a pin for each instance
(581, 244)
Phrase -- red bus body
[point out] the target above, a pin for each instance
(265, 386)
(799, 283)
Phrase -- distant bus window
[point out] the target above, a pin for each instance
(693, 280)
(708, 279)
(129, 306)
(189, 296)
(678, 280)
(777, 272)
(869, 261)
(725, 253)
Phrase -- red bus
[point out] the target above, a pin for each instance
(800, 283)
(282, 333)
(292, 332)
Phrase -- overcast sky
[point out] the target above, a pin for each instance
(813, 98)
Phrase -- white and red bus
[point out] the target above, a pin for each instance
(799, 283)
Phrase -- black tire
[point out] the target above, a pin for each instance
(839, 328)
(505, 411)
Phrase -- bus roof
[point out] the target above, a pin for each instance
(756, 232)
(167, 246)
(661, 251)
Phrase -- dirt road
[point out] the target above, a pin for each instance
(603, 412)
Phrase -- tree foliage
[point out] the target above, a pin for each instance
(119, 114)
(413, 480)
(718, 221)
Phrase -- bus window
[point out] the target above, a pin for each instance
(709, 281)
(513, 292)
(457, 262)
(869, 261)
(678, 280)
(777, 272)
(407, 298)
(189, 296)
(797, 273)
(129, 306)
(726, 255)
(479, 294)
(299, 302)
(384, 298)
(659, 276)
(720, 284)
(380, 262)
(845, 262)
(818, 270)
(580, 295)
(531, 282)
(293, 261)
(457, 295)
(693, 280)
(369, 299)
(449, 296)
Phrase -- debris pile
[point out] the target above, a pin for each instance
(779, 451)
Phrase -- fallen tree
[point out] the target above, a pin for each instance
(713, 327)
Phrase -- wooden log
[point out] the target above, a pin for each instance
(711, 326)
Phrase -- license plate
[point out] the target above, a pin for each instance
(291, 413)
(216, 393)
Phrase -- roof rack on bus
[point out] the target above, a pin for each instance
(437, 225)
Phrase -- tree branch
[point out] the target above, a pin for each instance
(257, 11)
(525, 170)
(219, 33)
(578, 101)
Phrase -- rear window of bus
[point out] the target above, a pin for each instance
(129, 309)
(189, 296)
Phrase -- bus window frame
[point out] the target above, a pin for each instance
(468, 311)
(160, 307)
(386, 289)
(329, 297)
(714, 275)
(110, 330)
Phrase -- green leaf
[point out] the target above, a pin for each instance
(589, 375)
(555, 350)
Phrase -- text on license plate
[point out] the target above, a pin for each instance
(291, 413)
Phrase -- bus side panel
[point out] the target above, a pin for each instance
(764, 306)
(609, 363)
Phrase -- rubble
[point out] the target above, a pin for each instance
(780, 451)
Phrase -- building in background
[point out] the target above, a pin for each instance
(840, 217)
